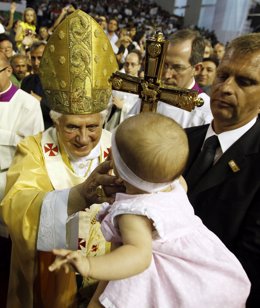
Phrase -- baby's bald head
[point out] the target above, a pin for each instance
(153, 146)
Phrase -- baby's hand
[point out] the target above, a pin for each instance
(70, 260)
(60, 260)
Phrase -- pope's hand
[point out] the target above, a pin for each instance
(99, 187)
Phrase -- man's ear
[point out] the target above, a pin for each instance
(10, 70)
(197, 68)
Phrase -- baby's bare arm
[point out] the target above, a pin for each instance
(132, 258)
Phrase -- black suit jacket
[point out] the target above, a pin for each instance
(33, 83)
(228, 202)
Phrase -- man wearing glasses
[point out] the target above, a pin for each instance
(182, 64)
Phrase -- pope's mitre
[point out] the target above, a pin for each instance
(77, 63)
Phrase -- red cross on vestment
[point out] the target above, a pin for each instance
(51, 149)
(106, 153)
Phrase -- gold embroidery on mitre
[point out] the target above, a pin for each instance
(97, 32)
(61, 35)
(62, 60)
(76, 79)
(63, 84)
(96, 58)
(52, 49)
(105, 47)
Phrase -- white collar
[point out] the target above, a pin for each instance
(226, 139)
(192, 84)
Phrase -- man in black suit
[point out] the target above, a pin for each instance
(32, 83)
(227, 195)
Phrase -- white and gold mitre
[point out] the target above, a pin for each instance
(77, 63)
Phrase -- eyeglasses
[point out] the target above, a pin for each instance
(3, 69)
(127, 64)
(177, 67)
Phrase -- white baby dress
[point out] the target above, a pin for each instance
(190, 268)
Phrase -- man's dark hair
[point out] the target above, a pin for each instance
(197, 45)
(5, 37)
(37, 44)
(212, 59)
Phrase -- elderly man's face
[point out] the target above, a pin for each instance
(236, 91)
(7, 48)
(79, 133)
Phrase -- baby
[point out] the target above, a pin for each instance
(163, 255)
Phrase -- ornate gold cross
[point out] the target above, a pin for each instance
(151, 89)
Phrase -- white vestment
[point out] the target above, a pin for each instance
(129, 100)
(198, 116)
(21, 116)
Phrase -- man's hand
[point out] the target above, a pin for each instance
(89, 192)
(124, 40)
(117, 102)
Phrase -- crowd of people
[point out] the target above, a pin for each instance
(180, 190)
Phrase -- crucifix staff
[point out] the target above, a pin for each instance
(151, 88)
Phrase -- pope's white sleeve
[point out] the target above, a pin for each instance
(53, 218)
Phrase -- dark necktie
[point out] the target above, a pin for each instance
(203, 162)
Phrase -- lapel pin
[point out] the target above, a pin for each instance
(234, 167)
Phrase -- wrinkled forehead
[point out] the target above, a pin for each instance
(234, 54)
(6, 43)
(20, 61)
(179, 49)
(81, 118)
